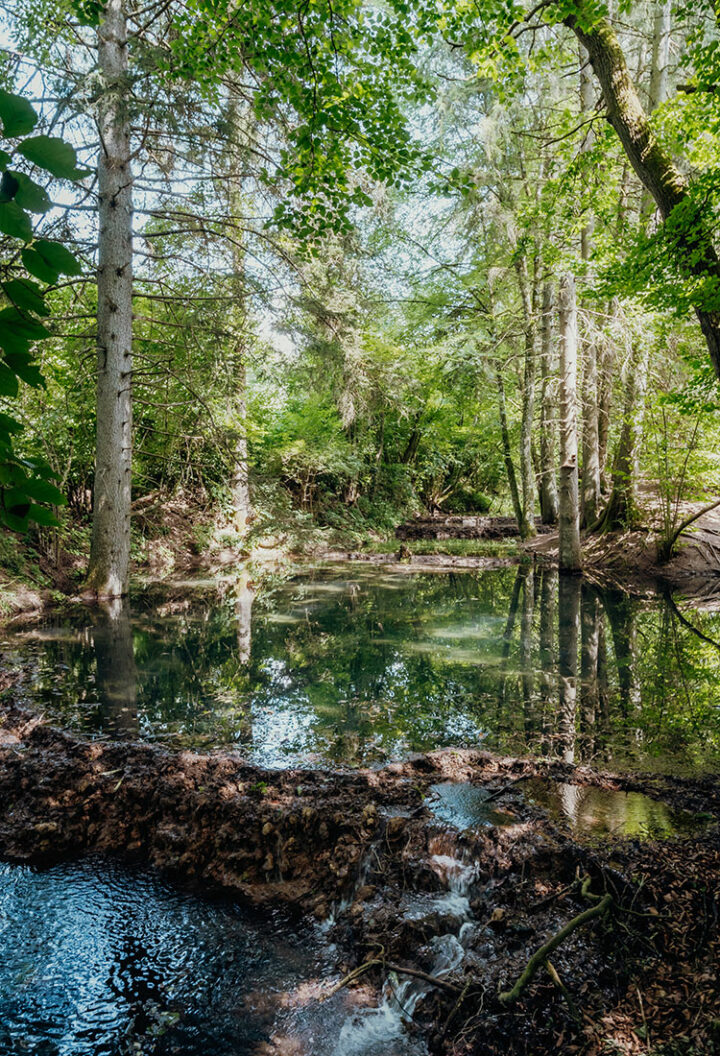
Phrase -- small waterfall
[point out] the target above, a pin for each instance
(368, 1032)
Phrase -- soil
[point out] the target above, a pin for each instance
(358, 844)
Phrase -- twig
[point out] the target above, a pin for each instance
(417, 974)
(563, 990)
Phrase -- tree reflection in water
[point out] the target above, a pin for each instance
(116, 673)
(354, 664)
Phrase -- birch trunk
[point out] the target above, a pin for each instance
(548, 483)
(569, 514)
(590, 401)
(108, 570)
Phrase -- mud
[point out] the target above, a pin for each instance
(364, 849)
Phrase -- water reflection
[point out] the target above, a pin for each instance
(350, 664)
(116, 674)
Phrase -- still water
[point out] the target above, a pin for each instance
(354, 665)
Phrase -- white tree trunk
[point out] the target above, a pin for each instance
(527, 476)
(110, 550)
(569, 519)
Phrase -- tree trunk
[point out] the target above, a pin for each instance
(526, 523)
(655, 168)
(569, 518)
(240, 480)
(108, 570)
(621, 510)
(590, 397)
(548, 483)
(507, 449)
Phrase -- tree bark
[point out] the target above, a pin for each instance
(240, 479)
(108, 571)
(621, 510)
(527, 477)
(652, 164)
(569, 518)
(548, 483)
(507, 449)
(590, 433)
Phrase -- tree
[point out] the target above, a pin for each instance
(569, 511)
(109, 568)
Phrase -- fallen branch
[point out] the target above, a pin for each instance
(376, 962)
(417, 974)
(539, 958)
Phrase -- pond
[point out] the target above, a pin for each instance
(354, 665)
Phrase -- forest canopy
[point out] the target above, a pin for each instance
(319, 266)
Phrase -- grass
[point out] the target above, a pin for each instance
(449, 547)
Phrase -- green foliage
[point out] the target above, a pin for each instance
(335, 67)
(26, 487)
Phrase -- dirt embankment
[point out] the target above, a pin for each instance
(642, 973)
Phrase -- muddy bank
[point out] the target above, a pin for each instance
(376, 850)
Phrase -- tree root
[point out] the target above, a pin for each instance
(540, 957)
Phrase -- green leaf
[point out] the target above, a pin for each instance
(14, 221)
(5, 159)
(26, 294)
(15, 524)
(58, 257)
(44, 491)
(30, 195)
(38, 266)
(16, 502)
(9, 187)
(12, 341)
(8, 381)
(23, 324)
(9, 425)
(54, 155)
(17, 115)
(43, 516)
(25, 368)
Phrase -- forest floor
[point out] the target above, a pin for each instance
(364, 849)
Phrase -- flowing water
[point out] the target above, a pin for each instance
(354, 665)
